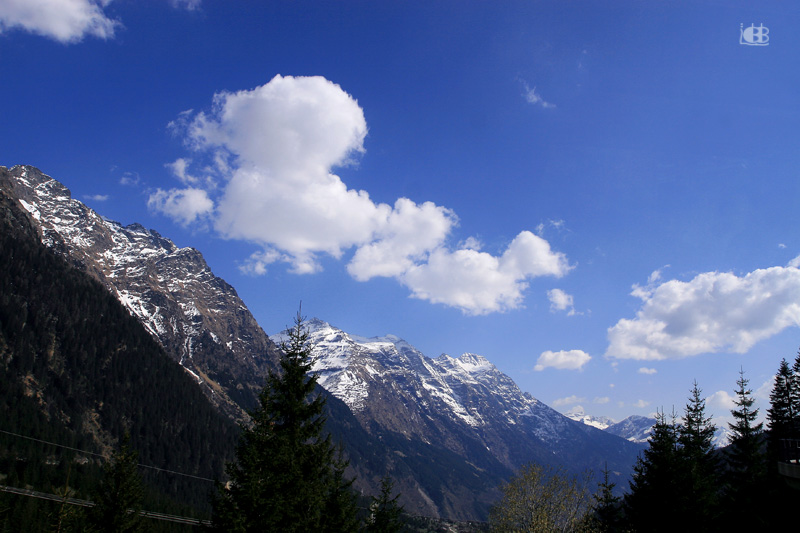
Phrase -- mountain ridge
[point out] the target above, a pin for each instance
(449, 429)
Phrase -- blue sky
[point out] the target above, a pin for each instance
(601, 199)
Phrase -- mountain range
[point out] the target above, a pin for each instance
(449, 430)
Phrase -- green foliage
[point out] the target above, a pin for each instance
(384, 510)
(118, 499)
(287, 476)
(783, 413)
(542, 499)
(654, 487)
(698, 467)
(679, 472)
(607, 517)
(746, 482)
(80, 371)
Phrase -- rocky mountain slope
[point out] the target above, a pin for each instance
(198, 318)
(447, 429)
(635, 428)
(466, 404)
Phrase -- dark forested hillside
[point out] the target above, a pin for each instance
(80, 371)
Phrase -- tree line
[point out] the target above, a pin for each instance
(288, 474)
(681, 482)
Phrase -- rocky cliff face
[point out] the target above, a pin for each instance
(448, 429)
(464, 404)
(198, 318)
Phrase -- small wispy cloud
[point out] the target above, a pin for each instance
(645, 370)
(563, 360)
(569, 400)
(189, 5)
(131, 179)
(533, 97)
(560, 301)
(96, 197)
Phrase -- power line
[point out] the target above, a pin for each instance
(104, 457)
(88, 503)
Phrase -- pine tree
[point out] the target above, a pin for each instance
(654, 495)
(287, 475)
(607, 509)
(746, 478)
(794, 387)
(118, 500)
(781, 415)
(384, 511)
(699, 474)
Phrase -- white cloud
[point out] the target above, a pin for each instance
(569, 400)
(257, 263)
(272, 150)
(183, 205)
(602, 400)
(721, 400)
(641, 404)
(67, 21)
(478, 282)
(763, 392)
(532, 97)
(563, 360)
(645, 370)
(715, 311)
(404, 237)
(96, 197)
(131, 179)
(189, 5)
(560, 301)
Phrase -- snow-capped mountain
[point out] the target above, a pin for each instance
(197, 317)
(577, 414)
(448, 429)
(466, 403)
(635, 428)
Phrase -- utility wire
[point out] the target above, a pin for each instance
(87, 503)
(103, 456)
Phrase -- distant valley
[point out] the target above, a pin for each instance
(448, 430)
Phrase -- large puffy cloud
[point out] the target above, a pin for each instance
(273, 150)
(714, 312)
(63, 20)
(478, 282)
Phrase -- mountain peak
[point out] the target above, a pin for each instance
(171, 290)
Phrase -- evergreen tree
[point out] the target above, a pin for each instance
(654, 497)
(384, 510)
(287, 475)
(699, 472)
(746, 477)
(781, 415)
(794, 386)
(118, 499)
(341, 507)
(607, 509)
